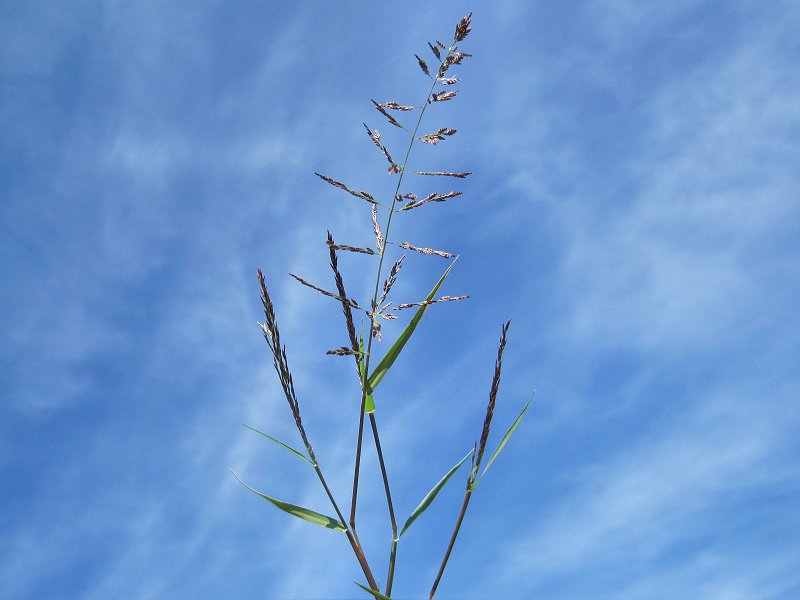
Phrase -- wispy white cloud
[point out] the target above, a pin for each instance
(663, 492)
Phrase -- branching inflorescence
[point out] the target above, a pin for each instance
(381, 308)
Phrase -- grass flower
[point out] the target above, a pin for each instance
(370, 371)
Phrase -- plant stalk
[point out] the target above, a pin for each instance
(393, 552)
(463, 512)
(351, 535)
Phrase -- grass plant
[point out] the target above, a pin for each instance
(379, 308)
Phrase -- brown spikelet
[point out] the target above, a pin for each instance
(387, 285)
(377, 230)
(351, 248)
(395, 106)
(279, 361)
(343, 351)
(451, 59)
(391, 119)
(423, 65)
(376, 138)
(431, 198)
(429, 302)
(436, 52)
(443, 96)
(409, 196)
(351, 302)
(448, 80)
(375, 324)
(429, 251)
(457, 57)
(346, 307)
(446, 173)
(338, 184)
(492, 397)
(463, 28)
(437, 136)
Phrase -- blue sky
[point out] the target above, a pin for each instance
(634, 210)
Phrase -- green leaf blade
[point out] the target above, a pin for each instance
(391, 355)
(373, 592)
(369, 404)
(280, 443)
(298, 511)
(427, 500)
(504, 441)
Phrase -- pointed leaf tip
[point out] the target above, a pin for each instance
(373, 592)
(280, 443)
(431, 496)
(298, 511)
(391, 355)
(505, 439)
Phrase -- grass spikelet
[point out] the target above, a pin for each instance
(428, 251)
(391, 119)
(279, 361)
(395, 106)
(431, 198)
(429, 302)
(463, 28)
(387, 285)
(487, 421)
(343, 351)
(376, 138)
(352, 303)
(423, 65)
(377, 230)
(443, 96)
(346, 307)
(446, 174)
(338, 184)
(352, 248)
(438, 136)
(409, 196)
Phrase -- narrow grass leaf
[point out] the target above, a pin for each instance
(373, 592)
(504, 441)
(426, 502)
(280, 443)
(298, 511)
(391, 355)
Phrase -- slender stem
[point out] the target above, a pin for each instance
(354, 498)
(393, 553)
(467, 496)
(351, 535)
(392, 559)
